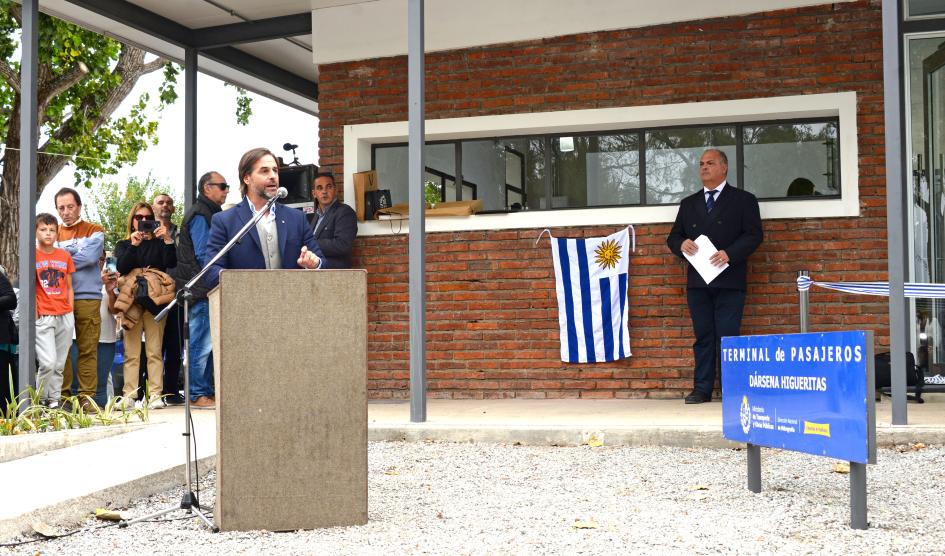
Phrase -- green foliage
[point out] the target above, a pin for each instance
(244, 104)
(113, 202)
(28, 415)
(431, 193)
(73, 120)
(167, 92)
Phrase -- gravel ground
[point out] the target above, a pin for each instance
(440, 498)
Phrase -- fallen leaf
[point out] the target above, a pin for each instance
(919, 446)
(109, 515)
(594, 439)
(43, 529)
(841, 467)
(392, 472)
(589, 524)
(699, 487)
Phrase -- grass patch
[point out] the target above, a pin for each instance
(28, 414)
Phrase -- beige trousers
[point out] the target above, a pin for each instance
(153, 338)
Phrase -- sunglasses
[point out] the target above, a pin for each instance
(140, 217)
(223, 186)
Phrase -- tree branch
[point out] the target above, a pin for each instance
(10, 75)
(66, 80)
(153, 65)
(129, 68)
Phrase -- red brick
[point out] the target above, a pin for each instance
(492, 317)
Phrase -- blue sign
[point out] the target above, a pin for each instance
(803, 392)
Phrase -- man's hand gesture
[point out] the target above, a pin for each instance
(308, 259)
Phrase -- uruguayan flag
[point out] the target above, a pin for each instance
(591, 276)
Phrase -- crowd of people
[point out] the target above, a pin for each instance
(95, 313)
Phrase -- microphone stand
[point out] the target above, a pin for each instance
(189, 502)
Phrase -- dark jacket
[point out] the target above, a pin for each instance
(335, 235)
(8, 333)
(153, 253)
(734, 226)
(291, 227)
(187, 264)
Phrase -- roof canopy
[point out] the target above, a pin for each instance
(270, 48)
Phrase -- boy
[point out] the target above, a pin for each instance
(54, 302)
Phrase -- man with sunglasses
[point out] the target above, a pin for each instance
(191, 257)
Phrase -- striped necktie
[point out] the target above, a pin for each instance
(710, 201)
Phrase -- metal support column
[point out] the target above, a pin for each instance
(804, 309)
(458, 169)
(29, 142)
(190, 127)
(754, 468)
(858, 496)
(417, 240)
(895, 220)
(549, 186)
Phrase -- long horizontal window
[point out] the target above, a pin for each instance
(644, 167)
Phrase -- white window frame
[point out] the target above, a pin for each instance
(359, 139)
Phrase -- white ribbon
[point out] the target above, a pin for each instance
(912, 289)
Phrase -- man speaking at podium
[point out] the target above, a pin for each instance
(281, 239)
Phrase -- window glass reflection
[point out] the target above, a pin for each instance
(672, 160)
(792, 160)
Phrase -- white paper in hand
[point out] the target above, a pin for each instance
(700, 261)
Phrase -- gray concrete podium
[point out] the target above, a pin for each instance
(290, 357)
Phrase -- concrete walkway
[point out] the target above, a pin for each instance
(62, 486)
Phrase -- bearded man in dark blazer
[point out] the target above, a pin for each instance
(731, 219)
(334, 224)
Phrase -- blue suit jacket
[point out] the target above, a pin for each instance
(734, 225)
(291, 227)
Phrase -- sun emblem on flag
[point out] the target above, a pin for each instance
(608, 254)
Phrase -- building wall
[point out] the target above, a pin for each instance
(492, 323)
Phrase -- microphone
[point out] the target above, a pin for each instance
(281, 193)
(289, 146)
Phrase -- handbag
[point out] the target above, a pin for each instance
(143, 298)
(375, 201)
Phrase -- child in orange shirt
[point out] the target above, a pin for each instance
(55, 322)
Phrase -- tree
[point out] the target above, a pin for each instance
(113, 204)
(83, 77)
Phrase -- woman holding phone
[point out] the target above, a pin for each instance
(148, 244)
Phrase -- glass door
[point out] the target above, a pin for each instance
(929, 214)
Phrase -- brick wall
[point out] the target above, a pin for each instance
(492, 321)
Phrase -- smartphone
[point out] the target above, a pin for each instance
(148, 226)
(111, 264)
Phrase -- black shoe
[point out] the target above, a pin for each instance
(174, 399)
(698, 397)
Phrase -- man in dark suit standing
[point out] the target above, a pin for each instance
(334, 224)
(730, 218)
(281, 239)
